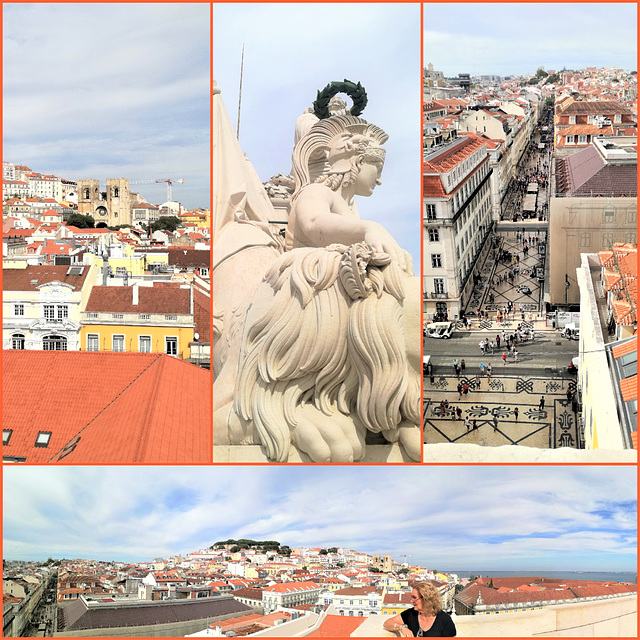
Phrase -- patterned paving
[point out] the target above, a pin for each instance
(551, 427)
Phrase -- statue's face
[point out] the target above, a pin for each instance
(368, 178)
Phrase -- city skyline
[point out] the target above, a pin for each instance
(531, 519)
(112, 90)
(377, 45)
(486, 38)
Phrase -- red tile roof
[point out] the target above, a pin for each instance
(166, 299)
(117, 407)
(337, 627)
(21, 279)
(623, 349)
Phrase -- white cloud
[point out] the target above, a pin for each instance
(453, 514)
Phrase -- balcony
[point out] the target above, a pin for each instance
(439, 294)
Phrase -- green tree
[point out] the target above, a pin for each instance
(235, 549)
(81, 221)
(404, 571)
(332, 549)
(323, 552)
(167, 223)
(457, 589)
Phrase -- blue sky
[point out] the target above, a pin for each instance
(110, 90)
(294, 50)
(480, 517)
(517, 38)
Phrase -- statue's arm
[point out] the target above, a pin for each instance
(322, 227)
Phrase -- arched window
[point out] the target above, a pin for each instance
(17, 341)
(54, 343)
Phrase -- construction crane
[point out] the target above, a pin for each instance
(169, 182)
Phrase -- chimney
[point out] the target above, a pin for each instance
(136, 298)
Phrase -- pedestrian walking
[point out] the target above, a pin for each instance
(459, 390)
(481, 345)
(467, 423)
(495, 423)
(504, 358)
(541, 405)
(482, 368)
(465, 388)
(462, 365)
(475, 424)
(498, 340)
(515, 355)
(459, 413)
(515, 413)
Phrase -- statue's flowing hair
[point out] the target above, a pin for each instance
(329, 341)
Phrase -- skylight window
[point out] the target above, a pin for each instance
(43, 439)
(6, 436)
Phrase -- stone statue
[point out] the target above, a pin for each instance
(322, 344)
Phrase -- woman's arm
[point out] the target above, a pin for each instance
(397, 624)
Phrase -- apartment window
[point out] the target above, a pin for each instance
(434, 235)
(54, 343)
(63, 312)
(607, 240)
(617, 118)
(6, 436)
(117, 342)
(582, 139)
(171, 317)
(631, 216)
(118, 316)
(590, 119)
(93, 342)
(585, 239)
(145, 344)
(609, 216)
(171, 346)
(436, 260)
(49, 312)
(572, 119)
(630, 237)
(570, 139)
(92, 315)
(42, 439)
(17, 341)
(145, 316)
(18, 309)
(121, 271)
(438, 285)
(431, 211)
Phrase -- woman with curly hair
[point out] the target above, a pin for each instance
(426, 618)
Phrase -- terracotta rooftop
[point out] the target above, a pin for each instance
(586, 173)
(596, 107)
(337, 627)
(292, 587)
(184, 257)
(102, 407)
(452, 155)
(168, 299)
(585, 130)
(33, 276)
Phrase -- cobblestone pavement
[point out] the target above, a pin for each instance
(554, 425)
(503, 292)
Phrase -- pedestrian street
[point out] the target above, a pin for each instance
(495, 289)
(491, 405)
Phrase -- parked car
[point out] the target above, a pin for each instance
(573, 365)
(439, 330)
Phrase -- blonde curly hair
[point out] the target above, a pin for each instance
(430, 596)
